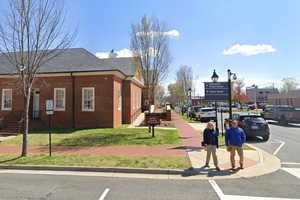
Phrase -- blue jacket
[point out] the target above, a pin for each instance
(210, 137)
(235, 137)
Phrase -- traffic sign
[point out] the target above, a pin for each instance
(49, 107)
(216, 91)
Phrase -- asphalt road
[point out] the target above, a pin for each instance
(283, 184)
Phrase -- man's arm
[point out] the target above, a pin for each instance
(227, 137)
(205, 136)
(243, 136)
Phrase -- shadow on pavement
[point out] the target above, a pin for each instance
(255, 140)
(209, 172)
(189, 148)
(11, 159)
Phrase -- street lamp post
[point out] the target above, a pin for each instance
(189, 102)
(190, 96)
(215, 78)
(233, 75)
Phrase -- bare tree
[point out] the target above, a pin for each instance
(184, 80)
(150, 43)
(160, 94)
(289, 84)
(31, 34)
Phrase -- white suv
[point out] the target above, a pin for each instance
(206, 114)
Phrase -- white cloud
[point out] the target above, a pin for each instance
(249, 50)
(171, 33)
(120, 54)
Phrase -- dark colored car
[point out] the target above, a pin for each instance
(254, 125)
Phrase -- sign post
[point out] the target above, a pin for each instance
(49, 112)
(152, 122)
(216, 91)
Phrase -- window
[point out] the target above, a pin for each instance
(6, 99)
(88, 99)
(59, 99)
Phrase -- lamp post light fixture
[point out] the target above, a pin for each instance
(234, 77)
(215, 79)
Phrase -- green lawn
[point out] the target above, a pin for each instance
(96, 160)
(99, 137)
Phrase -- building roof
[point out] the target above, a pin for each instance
(78, 60)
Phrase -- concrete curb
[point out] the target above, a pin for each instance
(268, 164)
(95, 169)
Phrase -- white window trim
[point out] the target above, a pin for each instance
(82, 99)
(2, 101)
(64, 101)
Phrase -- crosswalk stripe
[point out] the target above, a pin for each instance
(293, 171)
(222, 196)
(290, 163)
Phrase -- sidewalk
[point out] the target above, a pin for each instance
(256, 162)
(191, 138)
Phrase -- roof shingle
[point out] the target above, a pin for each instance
(78, 60)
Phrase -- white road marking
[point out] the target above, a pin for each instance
(222, 196)
(104, 194)
(293, 171)
(217, 189)
(290, 163)
(280, 146)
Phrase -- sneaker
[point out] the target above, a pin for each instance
(206, 166)
(218, 169)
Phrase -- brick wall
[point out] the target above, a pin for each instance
(107, 97)
(132, 96)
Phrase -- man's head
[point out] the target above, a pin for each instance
(210, 125)
(234, 124)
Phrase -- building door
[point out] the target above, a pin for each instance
(36, 104)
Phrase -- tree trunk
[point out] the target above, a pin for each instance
(26, 124)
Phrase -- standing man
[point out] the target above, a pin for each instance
(210, 136)
(235, 138)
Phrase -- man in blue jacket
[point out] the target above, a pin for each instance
(235, 138)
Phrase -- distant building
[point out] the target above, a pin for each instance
(291, 98)
(198, 101)
(260, 95)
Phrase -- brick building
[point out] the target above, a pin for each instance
(260, 95)
(291, 98)
(87, 91)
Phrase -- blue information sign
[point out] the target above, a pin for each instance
(216, 91)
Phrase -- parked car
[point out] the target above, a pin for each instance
(206, 114)
(283, 114)
(223, 109)
(193, 111)
(254, 125)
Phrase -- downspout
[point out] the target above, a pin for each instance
(73, 100)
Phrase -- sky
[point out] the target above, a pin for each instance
(258, 40)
